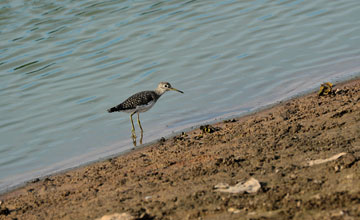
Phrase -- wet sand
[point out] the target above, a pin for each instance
(281, 147)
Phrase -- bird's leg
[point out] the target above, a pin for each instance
(138, 119)
(134, 141)
(133, 134)
(141, 137)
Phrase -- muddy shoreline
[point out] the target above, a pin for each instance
(289, 148)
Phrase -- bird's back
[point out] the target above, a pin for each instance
(143, 98)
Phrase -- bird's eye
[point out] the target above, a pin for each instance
(166, 86)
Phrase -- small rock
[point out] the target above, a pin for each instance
(318, 181)
(221, 186)
(35, 180)
(320, 161)
(350, 176)
(4, 211)
(117, 216)
(337, 168)
(292, 176)
(250, 186)
(144, 215)
(317, 196)
(208, 129)
(325, 89)
(337, 214)
(234, 210)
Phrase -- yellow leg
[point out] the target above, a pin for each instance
(141, 137)
(132, 126)
(139, 123)
(134, 141)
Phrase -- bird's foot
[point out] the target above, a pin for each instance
(141, 137)
(134, 141)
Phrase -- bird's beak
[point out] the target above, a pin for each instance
(176, 90)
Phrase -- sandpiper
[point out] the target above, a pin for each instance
(142, 102)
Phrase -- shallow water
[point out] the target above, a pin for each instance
(62, 64)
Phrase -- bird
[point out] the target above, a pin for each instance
(142, 102)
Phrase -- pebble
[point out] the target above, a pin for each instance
(117, 216)
(148, 197)
(234, 210)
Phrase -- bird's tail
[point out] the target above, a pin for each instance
(113, 109)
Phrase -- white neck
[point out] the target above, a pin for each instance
(160, 91)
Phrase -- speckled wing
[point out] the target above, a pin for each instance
(145, 98)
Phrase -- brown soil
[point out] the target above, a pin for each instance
(175, 178)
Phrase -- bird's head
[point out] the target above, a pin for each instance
(165, 86)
